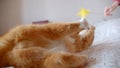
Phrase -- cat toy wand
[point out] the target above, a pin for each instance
(83, 14)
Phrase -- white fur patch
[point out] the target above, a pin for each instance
(82, 33)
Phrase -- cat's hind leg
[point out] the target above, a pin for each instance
(65, 60)
(28, 57)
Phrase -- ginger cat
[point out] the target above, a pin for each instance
(28, 46)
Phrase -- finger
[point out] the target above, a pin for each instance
(106, 11)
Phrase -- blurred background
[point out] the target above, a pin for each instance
(17, 12)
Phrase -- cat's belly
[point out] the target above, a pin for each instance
(57, 45)
(60, 45)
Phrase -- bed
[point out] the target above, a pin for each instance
(105, 50)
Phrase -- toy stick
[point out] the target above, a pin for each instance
(83, 14)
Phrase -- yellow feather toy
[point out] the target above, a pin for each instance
(83, 14)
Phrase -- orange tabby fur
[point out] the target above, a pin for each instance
(28, 46)
(65, 60)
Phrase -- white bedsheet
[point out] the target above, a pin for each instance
(105, 52)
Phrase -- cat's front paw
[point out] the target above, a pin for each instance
(87, 30)
(82, 33)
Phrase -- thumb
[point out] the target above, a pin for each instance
(108, 11)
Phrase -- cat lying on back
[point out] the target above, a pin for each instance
(28, 46)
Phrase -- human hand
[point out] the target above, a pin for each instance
(108, 10)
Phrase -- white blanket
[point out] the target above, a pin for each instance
(105, 52)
